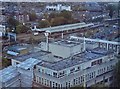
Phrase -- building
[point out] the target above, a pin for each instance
(85, 68)
(72, 64)
(19, 76)
(22, 17)
(17, 50)
(70, 48)
(58, 7)
(2, 30)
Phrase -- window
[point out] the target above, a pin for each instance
(50, 83)
(78, 68)
(17, 62)
(93, 63)
(72, 70)
(111, 78)
(54, 74)
(61, 74)
(98, 72)
(74, 81)
(106, 80)
(56, 84)
(96, 62)
(39, 79)
(42, 80)
(42, 70)
(47, 82)
(39, 70)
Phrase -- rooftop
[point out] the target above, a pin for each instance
(18, 47)
(8, 74)
(76, 59)
(36, 55)
(28, 63)
(64, 27)
(67, 43)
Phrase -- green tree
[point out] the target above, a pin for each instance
(44, 23)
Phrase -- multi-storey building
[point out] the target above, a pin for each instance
(66, 63)
(83, 68)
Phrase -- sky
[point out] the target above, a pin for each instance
(60, 0)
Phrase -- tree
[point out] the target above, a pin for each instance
(53, 15)
(5, 62)
(58, 21)
(44, 24)
(77, 87)
(112, 8)
(116, 82)
(32, 16)
(21, 29)
(99, 86)
(12, 22)
(66, 14)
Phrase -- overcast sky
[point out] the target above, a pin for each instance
(61, 0)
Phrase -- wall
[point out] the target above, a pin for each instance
(58, 50)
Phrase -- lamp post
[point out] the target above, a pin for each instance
(46, 35)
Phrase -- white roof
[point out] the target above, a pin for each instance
(12, 53)
(70, 28)
(64, 27)
(28, 63)
(8, 73)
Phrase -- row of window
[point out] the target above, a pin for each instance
(88, 76)
(96, 62)
(46, 82)
(84, 78)
(106, 80)
(105, 69)
(77, 81)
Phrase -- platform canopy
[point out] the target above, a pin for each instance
(63, 27)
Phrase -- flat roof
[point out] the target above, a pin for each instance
(36, 55)
(69, 28)
(67, 43)
(59, 27)
(8, 74)
(18, 47)
(76, 59)
(64, 27)
(28, 63)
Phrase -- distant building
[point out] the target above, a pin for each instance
(17, 50)
(22, 17)
(2, 30)
(58, 7)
